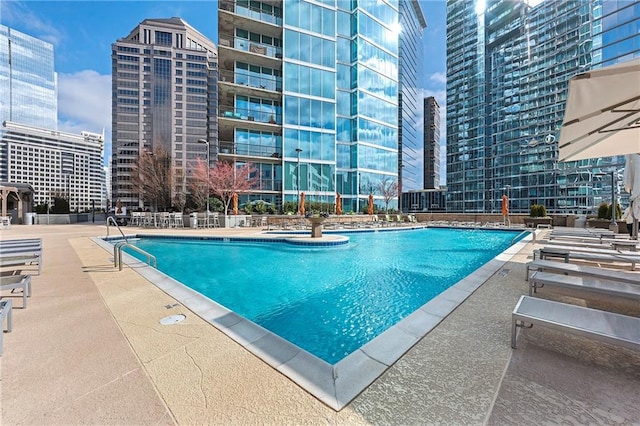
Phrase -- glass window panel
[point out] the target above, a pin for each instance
(305, 48)
(291, 105)
(328, 22)
(316, 78)
(291, 39)
(305, 112)
(305, 81)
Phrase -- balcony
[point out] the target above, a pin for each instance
(244, 78)
(261, 152)
(253, 49)
(250, 115)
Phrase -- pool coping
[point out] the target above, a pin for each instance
(335, 385)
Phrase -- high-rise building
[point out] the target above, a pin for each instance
(412, 24)
(28, 82)
(309, 96)
(164, 83)
(431, 143)
(56, 164)
(508, 67)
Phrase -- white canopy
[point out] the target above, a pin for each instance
(602, 114)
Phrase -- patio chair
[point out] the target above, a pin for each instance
(5, 222)
(16, 282)
(607, 327)
(599, 285)
(581, 270)
(16, 259)
(5, 312)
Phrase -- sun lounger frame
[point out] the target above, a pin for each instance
(5, 313)
(603, 326)
(581, 270)
(567, 255)
(591, 284)
(15, 282)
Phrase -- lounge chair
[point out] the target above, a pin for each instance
(5, 312)
(16, 259)
(581, 270)
(607, 327)
(591, 284)
(599, 256)
(15, 282)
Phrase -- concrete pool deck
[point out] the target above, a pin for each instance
(90, 350)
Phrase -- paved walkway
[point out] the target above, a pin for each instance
(90, 350)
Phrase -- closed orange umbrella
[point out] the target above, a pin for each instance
(338, 204)
(235, 203)
(302, 204)
(505, 205)
(370, 209)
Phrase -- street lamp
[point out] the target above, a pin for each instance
(298, 151)
(206, 142)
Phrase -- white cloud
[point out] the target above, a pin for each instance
(13, 12)
(84, 103)
(438, 77)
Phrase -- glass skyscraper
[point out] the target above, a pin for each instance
(412, 23)
(164, 83)
(28, 81)
(309, 94)
(508, 67)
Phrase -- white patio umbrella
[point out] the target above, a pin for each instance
(602, 114)
(632, 186)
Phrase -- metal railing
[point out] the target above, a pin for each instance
(117, 254)
(112, 219)
(517, 236)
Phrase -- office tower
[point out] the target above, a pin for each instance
(28, 82)
(508, 66)
(56, 164)
(164, 84)
(412, 24)
(431, 143)
(309, 96)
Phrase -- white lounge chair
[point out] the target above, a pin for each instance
(592, 284)
(586, 270)
(599, 256)
(5, 312)
(17, 259)
(599, 325)
(15, 282)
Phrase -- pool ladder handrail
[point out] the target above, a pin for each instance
(117, 254)
(516, 237)
(117, 226)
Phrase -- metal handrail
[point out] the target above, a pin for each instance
(516, 237)
(117, 226)
(118, 259)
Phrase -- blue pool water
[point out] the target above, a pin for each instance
(329, 300)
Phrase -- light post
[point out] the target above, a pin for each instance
(206, 142)
(298, 151)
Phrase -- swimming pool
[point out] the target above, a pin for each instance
(332, 300)
(333, 384)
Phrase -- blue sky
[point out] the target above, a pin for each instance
(82, 33)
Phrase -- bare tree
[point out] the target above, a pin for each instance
(152, 174)
(389, 190)
(225, 179)
(198, 184)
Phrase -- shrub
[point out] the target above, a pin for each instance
(618, 212)
(538, 210)
(603, 211)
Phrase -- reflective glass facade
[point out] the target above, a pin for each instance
(508, 66)
(164, 94)
(309, 93)
(410, 140)
(27, 80)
